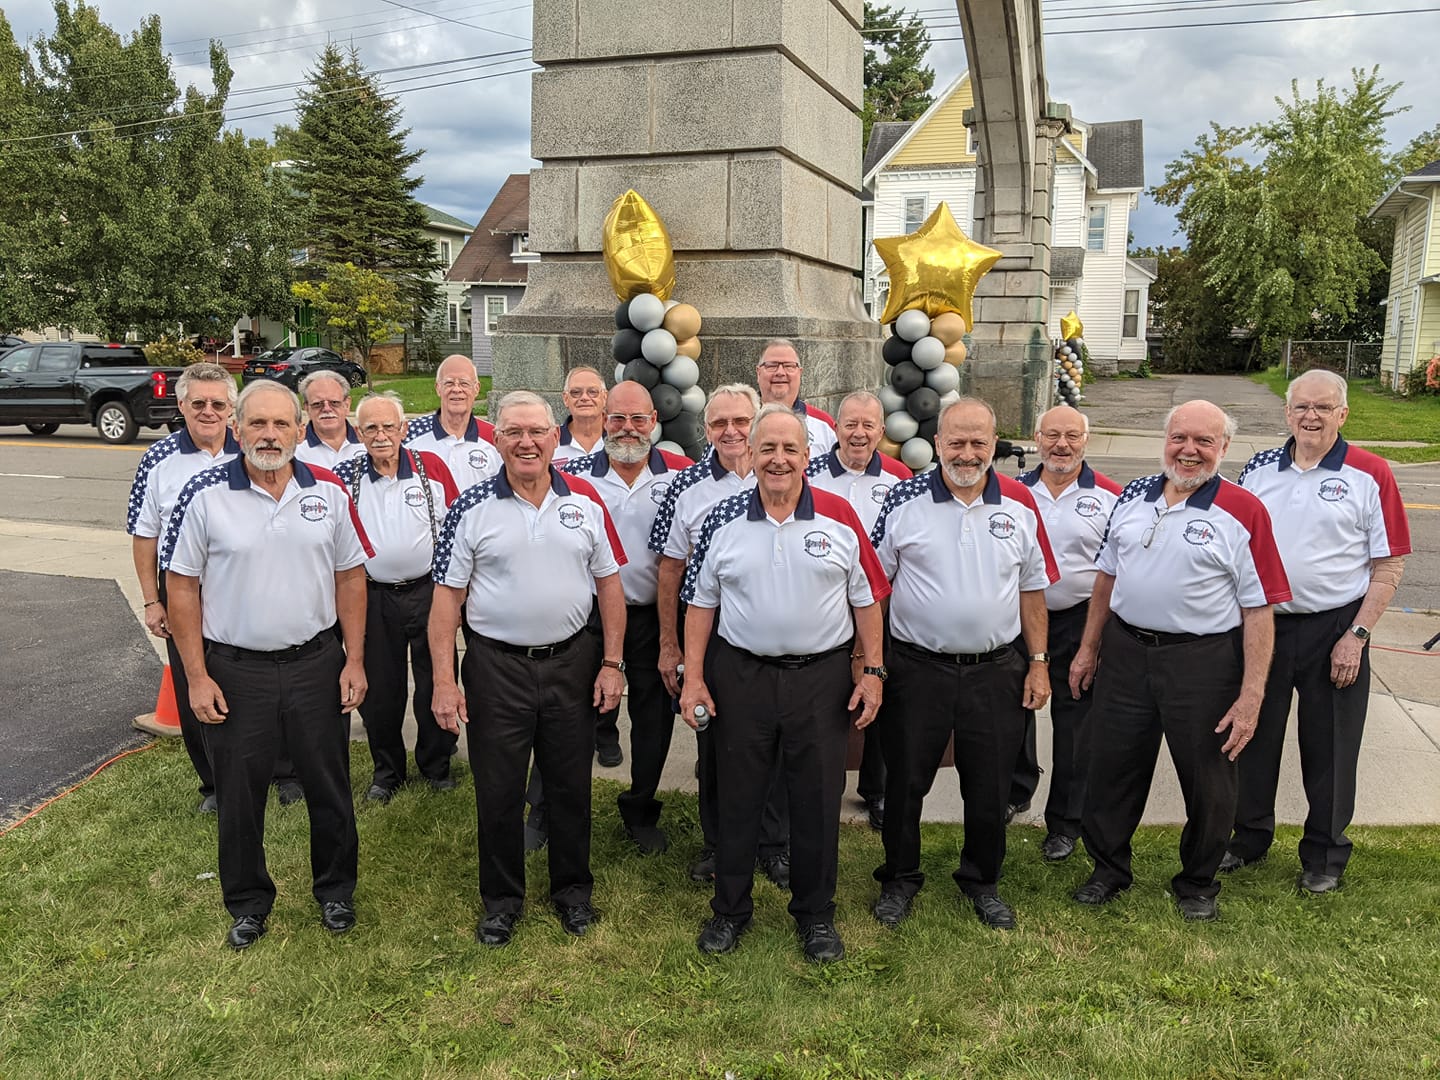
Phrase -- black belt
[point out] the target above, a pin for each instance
(1155, 637)
(533, 652)
(277, 656)
(397, 586)
(790, 661)
(964, 659)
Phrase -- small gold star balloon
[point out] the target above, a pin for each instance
(1070, 327)
(638, 254)
(935, 268)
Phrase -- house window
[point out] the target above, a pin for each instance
(1131, 322)
(914, 212)
(494, 308)
(969, 142)
(1095, 228)
(523, 242)
(453, 312)
(442, 248)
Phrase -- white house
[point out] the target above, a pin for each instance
(1099, 174)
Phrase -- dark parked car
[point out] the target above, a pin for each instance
(288, 365)
(51, 383)
(8, 342)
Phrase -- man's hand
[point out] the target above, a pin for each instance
(156, 621)
(609, 685)
(1241, 720)
(868, 692)
(1037, 686)
(448, 705)
(353, 685)
(670, 661)
(1345, 660)
(207, 700)
(1082, 670)
(693, 693)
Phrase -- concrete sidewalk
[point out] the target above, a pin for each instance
(1399, 766)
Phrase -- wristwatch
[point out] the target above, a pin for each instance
(1039, 658)
(618, 665)
(882, 672)
(1361, 632)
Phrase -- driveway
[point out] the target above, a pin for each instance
(1140, 405)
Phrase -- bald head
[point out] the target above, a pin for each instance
(630, 397)
(627, 441)
(1061, 434)
(1197, 434)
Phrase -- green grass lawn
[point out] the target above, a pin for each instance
(1379, 414)
(418, 392)
(111, 962)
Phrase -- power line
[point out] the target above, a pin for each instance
(457, 22)
(333, 18)
(1146, 9)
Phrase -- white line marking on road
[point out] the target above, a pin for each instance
(32, 475)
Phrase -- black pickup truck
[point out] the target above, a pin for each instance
(48, 384)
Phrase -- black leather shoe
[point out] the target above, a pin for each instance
(875, 811)
(245, 931)
(445, 783)
(1318, 884)
(720, 935)
(777, 869)
(577, 919)
(208, 805)
(337, 916)
(497, 929)
(648, 839)
(994, 912)
(537, 830)
(1057, 848)
(290, 791)
(1013, 809)
(1198, 908)
(1095, 892)
(379, 793)
(821, 943)
(1230, 863)
(609, 755)
(892, 908)
(703, 868)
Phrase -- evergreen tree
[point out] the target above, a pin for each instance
(352, 175)
(897, 82)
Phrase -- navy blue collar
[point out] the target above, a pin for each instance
(403, 469)
(472, 429)
(717, 471)
(240, 479)
(602, 463)
(187, 444)
(312, 439)
(1333, 459)
(503, 490)
(804, 509)
(940, 493)
(1199, 499)
(1086, 480)
(837, 467)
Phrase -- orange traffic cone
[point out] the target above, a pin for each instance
(165, 720)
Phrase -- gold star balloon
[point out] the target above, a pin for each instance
(935, 268)
(638, 254)
(1070, 327)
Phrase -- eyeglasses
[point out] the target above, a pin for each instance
(633, 419)
(336, 404)
(739, 423)
(515, 433)
(1067, 436)
(1148, 536)
(371, 430)
(213, 404)
(585, 391)
(1300, 408)
(779, 365)
(458, 384)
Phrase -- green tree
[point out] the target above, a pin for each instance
(359, 308)
(1419, 152)
(897, 82)
(18, 178)
(352, 174)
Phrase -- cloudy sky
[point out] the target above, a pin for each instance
(472, 116)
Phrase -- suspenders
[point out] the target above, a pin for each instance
(416, 459)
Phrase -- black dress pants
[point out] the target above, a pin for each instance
(295, 703)
(652, 722)
(797, 716)
(1330, 722)
(929, 699)
(1142, 692)
(517, 705)
(1070, 747)
(397, 642)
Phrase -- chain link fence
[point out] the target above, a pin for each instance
(1352, 359)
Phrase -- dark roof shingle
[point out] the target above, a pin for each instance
(1066, 263)
(1433, 169)
(486, 256)
(883, 137)
(1117, 150)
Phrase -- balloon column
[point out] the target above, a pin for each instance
(656, 340)
(1070, 360)
(933, 273)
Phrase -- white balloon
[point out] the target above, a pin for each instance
(946, 400)
(927, 353)
(1065, 350)
(619, 373)
(692, 399)
(943, 379)
(900, 425)
(1080, 341)
(671, 447)
(654, 434)
(671, 303)
(890, 398)
(917, 453)
(658, 346)
(681, 373)
(912, 325)
(647, 311)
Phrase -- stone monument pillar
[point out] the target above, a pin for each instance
(737, 120)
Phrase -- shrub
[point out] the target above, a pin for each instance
(173, 352)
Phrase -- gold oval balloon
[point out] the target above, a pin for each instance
(890, 447)
(638, 253)
(689, 347)
(949, 328)
(955, 354)
(1071, 327)
(934, 269)
(683, 321)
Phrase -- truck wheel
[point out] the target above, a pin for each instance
(115, 423)
(42, 429)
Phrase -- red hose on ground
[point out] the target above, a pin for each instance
(99, 769)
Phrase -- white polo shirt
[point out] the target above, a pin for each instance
(1075, 524)
(821, 427)
(784, 588)
(314, 450)
(1329, 520)
(570, 448)
(266, 567)
(471, 457)
(163, 471)
(633, 508)
(865, 489)
(692, 495)
(530, 571)
(957, 571)
(1208, 556)
(396, 514)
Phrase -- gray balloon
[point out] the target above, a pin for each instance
(693, 399)
(658, 346)
(927, 353)
(681, 373)
(900, 426)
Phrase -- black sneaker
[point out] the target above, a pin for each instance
(821, 943)
(777, 869)
(1198, 908)
(720, 935)
(379, 793)
(609, 755)
(208, 805)
(892, 908)
(245, 931)
(497, 929)
(1057, 847)
(994, 912)
(648, 839)
(576, 919)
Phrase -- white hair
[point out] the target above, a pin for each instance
(1336, 382)
(263, 385)
(517, 398)
(206, 372)
(382, 397)
(735, 389)
(320, 376)
(1231, 427)
(774, 408)
(970, 401)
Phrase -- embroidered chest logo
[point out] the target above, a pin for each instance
(478, 458)
(414, 497)
(818, 544)
(571, 516)
(1199, 533)
(1002, 526)
(1087, 506)
(1334, 490)
(314, 508)
(878, 493)
(658, 491)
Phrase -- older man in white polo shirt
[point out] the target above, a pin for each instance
(402, 496)
(1341, 528)
(525, 556)
(330, 438)
(260, 670)
(583, 431)
(465, 442)
(778, 377)
(1181, 629)
(969, 562)
(797, 588)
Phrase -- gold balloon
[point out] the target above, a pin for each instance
(683, 321)
(689, 347)
(949, 328)
(935, 268)
(1070, 327)
(638, 254)
(890, 447)
(955, 354)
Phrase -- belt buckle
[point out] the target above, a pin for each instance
(1148, 638)
(539, 652)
